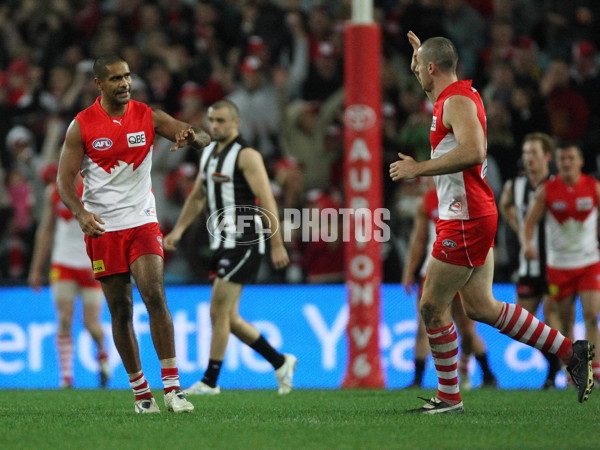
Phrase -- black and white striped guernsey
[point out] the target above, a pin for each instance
(231, 204)
(523, 194)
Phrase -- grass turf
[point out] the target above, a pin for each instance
(305, 419)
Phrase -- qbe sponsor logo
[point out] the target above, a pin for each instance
(136, 139)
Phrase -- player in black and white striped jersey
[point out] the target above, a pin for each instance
(233, 186)
(532, 288)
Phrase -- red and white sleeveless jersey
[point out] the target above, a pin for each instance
(430, 206)
(69, 245)
(462, 195)
(571, 223)
(116, 165)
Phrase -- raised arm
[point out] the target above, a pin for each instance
(68, 167)
(181, 133)
(251, 163)
(193, 206)
(415, 43)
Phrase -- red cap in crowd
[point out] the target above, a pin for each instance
(584, 49)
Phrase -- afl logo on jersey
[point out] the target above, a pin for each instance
(220, 177)
(136, 139)
(455, 206)
(448, 243)
(101, 144)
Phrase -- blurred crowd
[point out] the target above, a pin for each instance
(535, 63)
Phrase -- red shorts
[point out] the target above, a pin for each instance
(83, 277)
(115, 251)
(465, 242)
(565, 282)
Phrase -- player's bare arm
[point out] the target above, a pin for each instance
(193, 206)
(460, 116)
(416, 249)
(535, 213)
(68, 167)
(181, 133)
(507, 206)
(44, 237)
(251, 163)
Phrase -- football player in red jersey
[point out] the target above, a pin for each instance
(111, 143)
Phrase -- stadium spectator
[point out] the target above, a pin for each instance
(567, 109)
(526, 64)
(501, 83)
(163, 86)
(524, 15)
(59, 238)
(391, 143)
(569, 202)
(465, 26)
(290, 74)
(231, 179)
(323, 259)
(585, 78)
(118, 216)
(517, 195)
(303, 132)
(257, 100)
(325, 73)
(527, 112)
(501, 47)
(265, 19)
(419, 251)
(289, 183)
(567, 22)
(458, 162)
(320, 28)
(191, 104)
(414, 133)
(500, 141)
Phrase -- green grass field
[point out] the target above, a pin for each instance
(305, 419)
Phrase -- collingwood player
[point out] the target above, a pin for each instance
(532, 288)
(231, 179)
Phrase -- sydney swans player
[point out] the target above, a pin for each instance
(111, 144)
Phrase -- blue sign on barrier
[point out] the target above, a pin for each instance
(308, 321)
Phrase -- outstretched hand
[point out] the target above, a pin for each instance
(184, 138)
(279, 256)
(171, 240)
(415, 42)
(406, 167)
